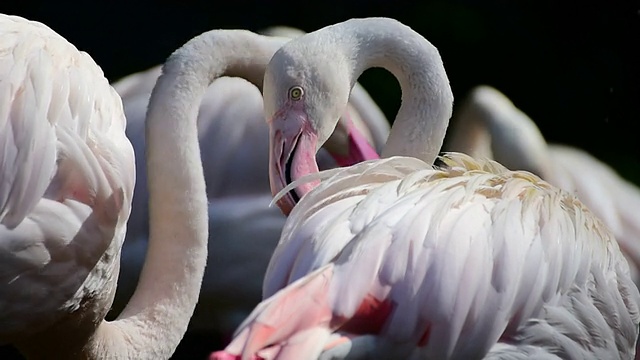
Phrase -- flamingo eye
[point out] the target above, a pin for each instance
(295, 93)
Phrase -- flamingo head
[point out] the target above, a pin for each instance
(304, 104)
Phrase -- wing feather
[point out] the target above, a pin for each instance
(26, 136)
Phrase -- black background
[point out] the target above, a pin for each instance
(572, 67)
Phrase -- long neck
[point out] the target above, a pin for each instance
(156, 317)
(427, 100)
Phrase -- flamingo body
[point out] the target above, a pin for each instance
(67, 176)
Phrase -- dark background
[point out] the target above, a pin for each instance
(572, 68)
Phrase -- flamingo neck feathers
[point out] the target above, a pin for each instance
(156, 318)
(427, 100)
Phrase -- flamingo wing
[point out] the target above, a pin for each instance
(442, 263)
(66, 177)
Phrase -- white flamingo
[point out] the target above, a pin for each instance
(397, 258)
(67, 176)
(489, 125)
(235, 161)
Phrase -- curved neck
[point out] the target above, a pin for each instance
(427, 100)
(156, 317)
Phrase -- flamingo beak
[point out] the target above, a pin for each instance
(292, 154)
(293, 146)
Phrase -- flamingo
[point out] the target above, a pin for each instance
(490, 125)
(235, 162)
(67, 177)
(403, 258)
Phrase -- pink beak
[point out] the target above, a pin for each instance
(292, 153)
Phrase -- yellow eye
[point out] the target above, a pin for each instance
(295, 93)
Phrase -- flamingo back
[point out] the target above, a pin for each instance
(66, 179)
(464, 260)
